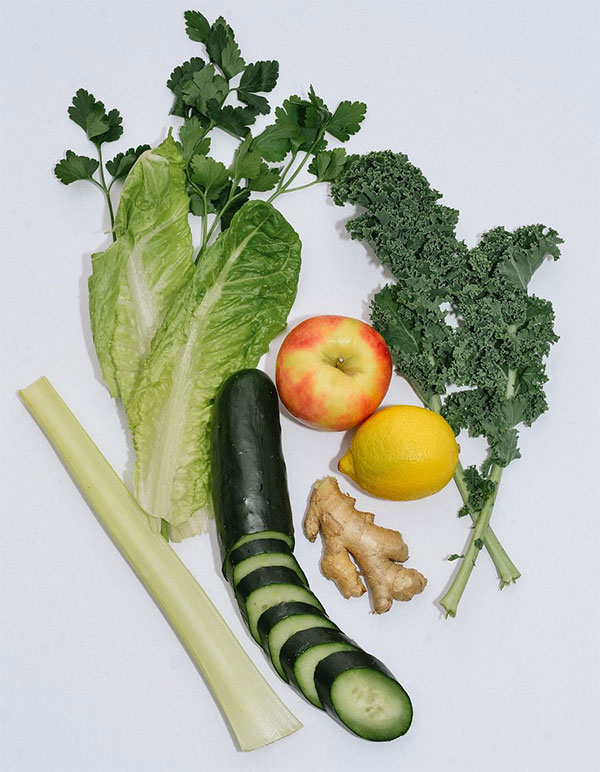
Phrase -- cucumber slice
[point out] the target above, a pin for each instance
(275, 614)
(360, 692)
(257, 547)
(265, 560)
(283, 631)
(267, 587)
(263, 535)
(300, 655)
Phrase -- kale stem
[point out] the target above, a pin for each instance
(506, 569)
(107, 194)
(452, 598)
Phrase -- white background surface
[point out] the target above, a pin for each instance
(498, 104)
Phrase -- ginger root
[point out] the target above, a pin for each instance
(377, 551)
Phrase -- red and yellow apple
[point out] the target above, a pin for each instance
(333, 371)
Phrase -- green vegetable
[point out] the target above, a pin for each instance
(486, 375)
(151, 358)
(219, 323)
(283, 615)
(253, 710)
(100, 126)
(209, 95)
(135, 281)
(248, 469)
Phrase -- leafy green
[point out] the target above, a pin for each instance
(89, 113)
(75, 167)
(197, 26)
(120, 166)
(486, 373)
(259, 77)
(222, 92)
(328, 164)
(346, 120)
(144, 290)
(208, 174)
(221, 321)
(100, 126)
(135, 280)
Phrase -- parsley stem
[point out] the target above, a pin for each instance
(299, 187)
(288, 166)
(107, 194)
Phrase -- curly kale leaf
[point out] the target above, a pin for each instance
(496, 353)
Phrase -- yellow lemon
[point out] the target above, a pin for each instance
(401, 453)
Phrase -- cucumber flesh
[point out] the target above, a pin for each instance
(264, 598)
(370, 704)
(263, 535)
(282, 631)
(267, 559)
(306, 664)
(302, 652)
(358, 690)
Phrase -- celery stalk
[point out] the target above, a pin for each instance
(255, 713)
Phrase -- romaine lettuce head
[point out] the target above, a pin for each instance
(134, 281)
(222, 321)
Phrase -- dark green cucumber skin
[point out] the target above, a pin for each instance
(249, 479)
(335, 664)
(250, 496)
(269, 618)
(261, 578)
(304, 640)
(249, 550)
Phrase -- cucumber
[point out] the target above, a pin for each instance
(256, 538)
(280, 622)
(264, 561)
(257, 547)
(360, 692)
(267, 587)
(248, 470)
(261, 535)
(301, 654)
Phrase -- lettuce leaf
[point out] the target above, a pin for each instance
(134, 281)
(222, 321)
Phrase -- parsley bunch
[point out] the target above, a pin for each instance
(100, 126)
(486, 374)
(223, 92)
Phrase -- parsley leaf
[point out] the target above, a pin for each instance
(196, 26)
(328, 164)
(233, 120)
(260, 77)
(346, 119)
(178, 78)
(75, 167)
(266, 179)
(120, 166)
(273, 143)
(208, 174)
(205, 87)
(247, 161)
(91, 115)
(192, 139)
(223, 50)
